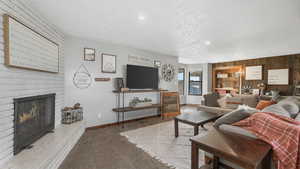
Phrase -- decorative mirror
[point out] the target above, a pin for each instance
(168, 72)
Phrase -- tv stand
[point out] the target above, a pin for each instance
(139, 91)
(121, 109)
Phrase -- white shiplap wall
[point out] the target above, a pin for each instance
(15, 83)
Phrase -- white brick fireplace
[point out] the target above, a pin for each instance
(17, 83)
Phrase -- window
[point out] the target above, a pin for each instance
(181, 79)
(195, 83)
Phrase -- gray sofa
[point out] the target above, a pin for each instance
(211, 102)
(211, 106)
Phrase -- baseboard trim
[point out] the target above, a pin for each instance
(116, 123)
(193, 105)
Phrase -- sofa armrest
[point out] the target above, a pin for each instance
(217, 110)
(237, 130)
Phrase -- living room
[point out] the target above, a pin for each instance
(149, 84)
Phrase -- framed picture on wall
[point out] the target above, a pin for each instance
(89, 54)
(109, 63)
(278, 77)
(253, 73)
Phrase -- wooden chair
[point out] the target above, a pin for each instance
(170, 104)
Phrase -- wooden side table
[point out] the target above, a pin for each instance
(244, 151)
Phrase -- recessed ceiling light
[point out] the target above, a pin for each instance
(207, 43)
(141, 17)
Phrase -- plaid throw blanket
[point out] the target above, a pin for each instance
(282, 133)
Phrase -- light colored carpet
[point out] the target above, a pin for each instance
(159, 141)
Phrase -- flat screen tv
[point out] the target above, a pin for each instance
(141, 77)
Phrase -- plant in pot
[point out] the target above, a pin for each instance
(137, 102)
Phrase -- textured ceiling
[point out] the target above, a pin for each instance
(236, 29)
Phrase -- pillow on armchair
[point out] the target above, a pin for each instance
(264, 103)
(250, 100)
(277, 109)
(230, 102)
(291, 106)
(232, 117)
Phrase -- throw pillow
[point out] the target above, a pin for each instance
(233, 102)
(297, 118)
(277, 109)
(275, 95)
(250, 100)
(232, 117)
(222, 102)
(249, 109)
(294, 99)
(263, 104)
(290, 106)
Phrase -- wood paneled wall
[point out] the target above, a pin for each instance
(15, 83)
(277, 62)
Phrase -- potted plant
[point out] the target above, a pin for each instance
(137, 102)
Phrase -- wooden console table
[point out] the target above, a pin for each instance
(243, 151)
(121, 109)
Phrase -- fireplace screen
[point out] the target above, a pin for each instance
(34, 117)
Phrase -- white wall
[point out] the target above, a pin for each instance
(183, 97)
(16, 83)
(206, 81)
(98, 100)
(207, 78)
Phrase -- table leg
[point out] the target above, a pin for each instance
(176, 127)
(123, 119)
(196, 130)
(119, 102)
(266, 163)
(118, 114)
(215, 162)
(202, 126)
(195, 156)
(123, 113)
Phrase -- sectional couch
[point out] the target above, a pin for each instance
(285, 106)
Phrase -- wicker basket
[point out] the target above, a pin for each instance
(71, 116)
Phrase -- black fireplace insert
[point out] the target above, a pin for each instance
(33, 118)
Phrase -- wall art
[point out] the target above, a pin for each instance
(253, 73)
(89, 54)
(168, 72)
(140, 60)
(102, 79)
(82, 78)
(278, 77)
(28, 49)
(109, 63)
(157, 63)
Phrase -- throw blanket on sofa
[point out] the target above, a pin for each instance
(282, 133)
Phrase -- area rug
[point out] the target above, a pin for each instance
(159, 142)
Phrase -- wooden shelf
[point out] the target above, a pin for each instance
(229, 84)
(229, 78)
(121, 109)
(126, 109)
(226, 89)
(138, 91)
